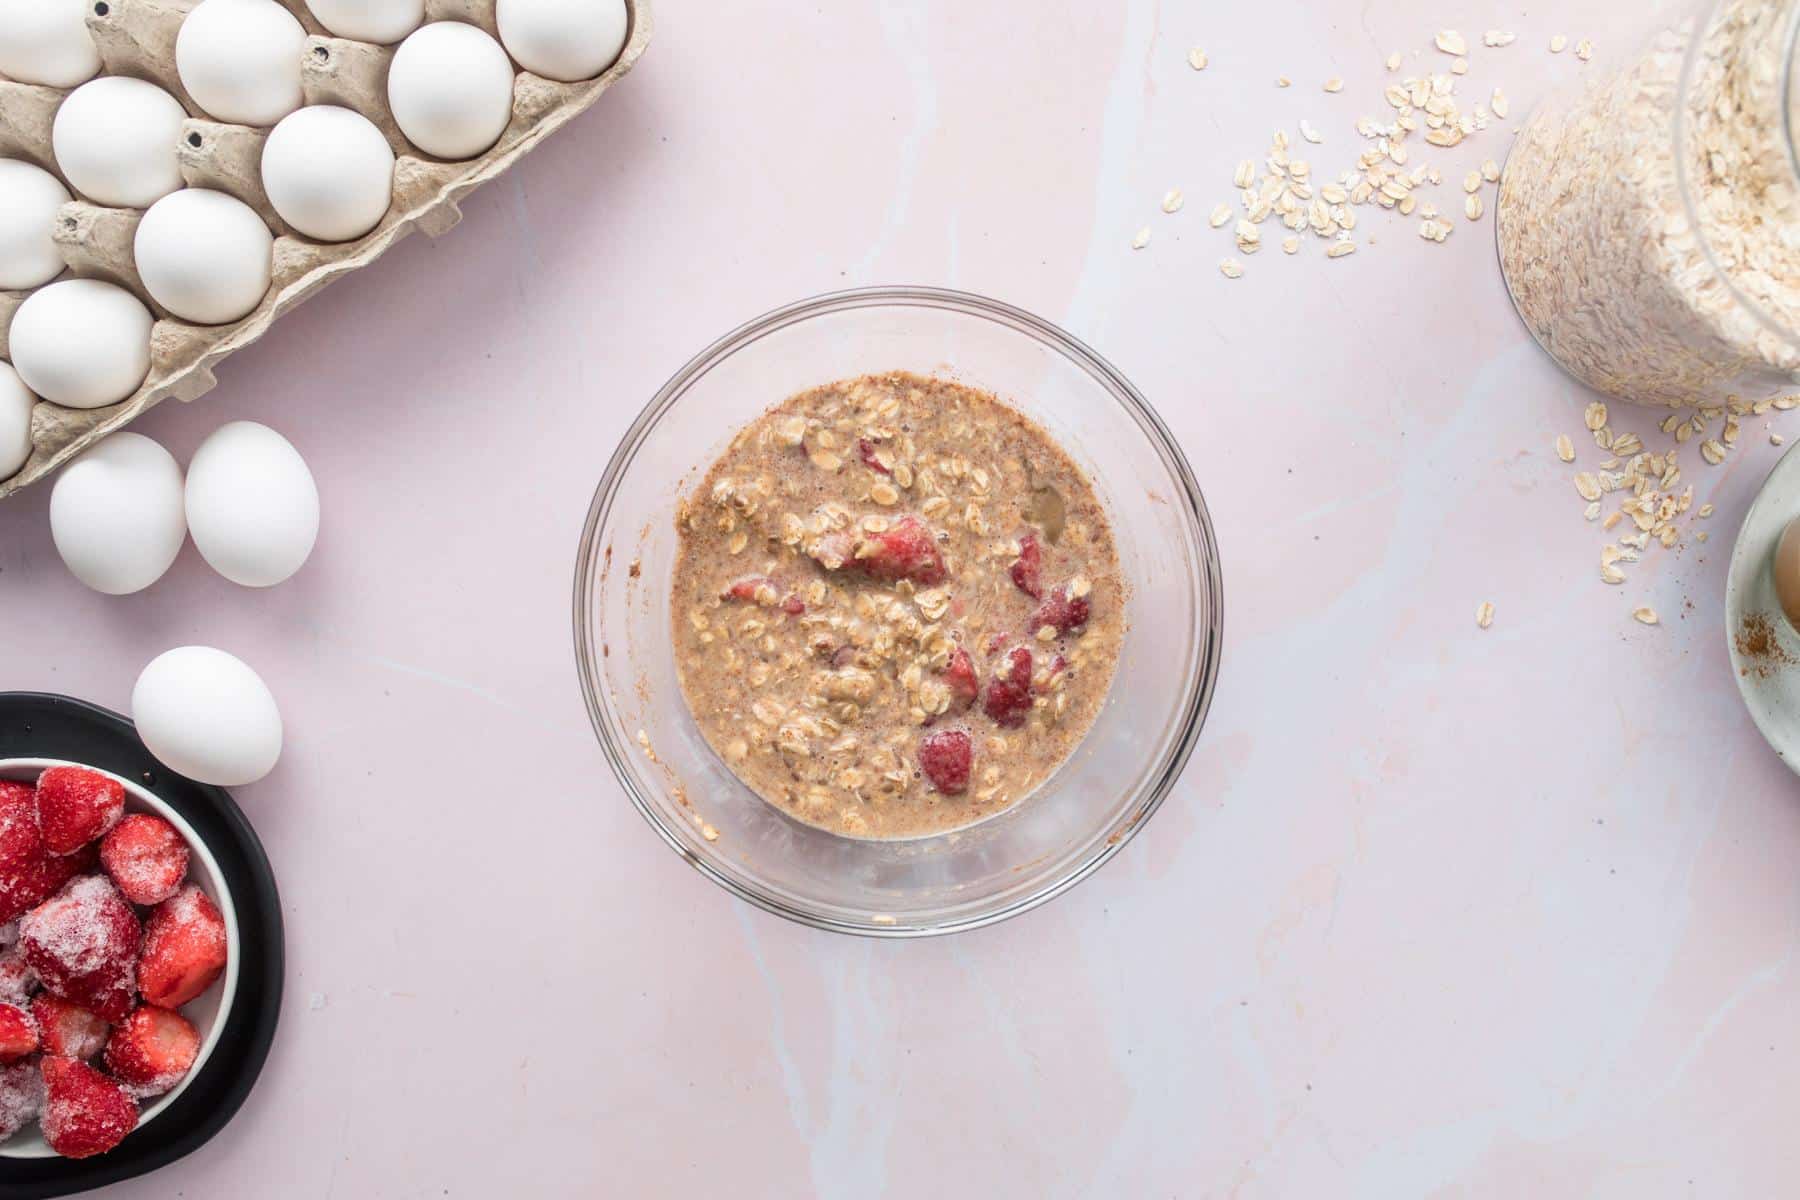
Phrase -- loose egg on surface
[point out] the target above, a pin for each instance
(450, 87)
(204, 256)
(115, 140)
(15, 421)
(47, 42)
(240, 60)
(252, 505)
(380, 21)
(567, 40)
(116, 514)
(81, 343)
(329, 173)
(205, 714)
(29, 198)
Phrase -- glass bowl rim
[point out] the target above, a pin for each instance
(1197, 702)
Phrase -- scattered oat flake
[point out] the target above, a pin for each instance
(1484, 616)
(1283, 81)
(1197, 59)
(709, 833)
(1592, 511)
(1595, 415)
(1558, 43)
(1706, 510)
(1775, 439)
(1472, 181)
(1220, 215)
(1172, 200)
(1334, 84)
(1490, 171)
(1565, 449)
(1340, 249)
(1496, 38)
(1290, 245)
(1588, 485)
(1393, 61)
(1451, 42)
(1644, 616)
(1309, 133)
(1787, 402)
(1584, 49)
(1460, 67)
(1142, 239)
(1499, 103)
(1231, 268)
(1700, 536)
(1472, 207)
(1712, 451)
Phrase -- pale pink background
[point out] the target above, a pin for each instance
(1434, 911)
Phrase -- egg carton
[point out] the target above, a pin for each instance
(137, 38)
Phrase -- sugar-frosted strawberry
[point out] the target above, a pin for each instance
(17, 980)
(151, 1050)
(19, 836)
(18, 1033)
(67, 1030)
(83, 943)
(1028, 569)
(1008, 700)
(21, 1097)
(947, 757)
(28, 883)
(146, 858)
(76, 806)
(85, 1113)
(184, 949)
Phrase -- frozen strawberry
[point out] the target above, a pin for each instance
(146, 858)
(959, 674)
(1009, 690)
(907, 549)
(26, 884)
(84, 946)
(75, 806)
(17, 980)
(947, 757)
(18, 1033)
(21, 1097)
(760, 589)
(1061, 611)
(19, 837)
(67, 1030)
(865, 449)
(184, 949)
(152, 1050)
(1028, 568)
(85, 1113)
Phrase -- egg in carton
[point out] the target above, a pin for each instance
(136, 40)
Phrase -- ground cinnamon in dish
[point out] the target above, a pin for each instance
(1757, 643)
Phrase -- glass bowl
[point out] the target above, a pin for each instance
(1021, 857)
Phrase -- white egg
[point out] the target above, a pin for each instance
(204, 256)
(329, 173)
(563, 39)
(115, 141)
(29, 198)
(450, 87)
(116, 515)
(252, 505)
(81, 343)
(240, 60)
(205, 714)
(15, 420)
(379, 21)
(47, 42)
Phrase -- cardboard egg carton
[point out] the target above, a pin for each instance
(137, 38)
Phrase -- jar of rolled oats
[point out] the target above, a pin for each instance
(1649, 223)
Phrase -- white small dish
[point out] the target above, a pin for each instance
(1770, 683)
(212, 1008)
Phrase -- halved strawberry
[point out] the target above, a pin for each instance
(1028, 569)
(67, 1030)
(75, 806)
(146, 858)
(85, 1113)
(959, 674)
(18, 1033)
(761, 590)
(1061, 611)
(151, 1050)
(21, 1097)
(1009, 690)
(83, 943)
(947, 757)
(19, 836)
(184, 949)
(28, 883)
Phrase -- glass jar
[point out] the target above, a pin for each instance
(1649, 223)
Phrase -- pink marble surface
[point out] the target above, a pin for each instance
(1435, 911)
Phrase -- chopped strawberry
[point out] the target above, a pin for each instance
(18, 1033)
(146, 857)
(959, 673)
(907, 549)
(1009, 690)
(761, 590)
(997, 642)
(865, 449)
(26, 884)
(1028, 568)
(67, 1030)
(17, 980)
(85, 1113)
(21, 1097)
(947, 757)
(152, 1050)
(19, 836)
(84, 944)
(75, 806)
(1061, 611)
(1058, 665)
(184, 949)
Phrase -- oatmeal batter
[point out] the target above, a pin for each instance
(897, 606)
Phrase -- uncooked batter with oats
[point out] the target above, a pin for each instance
(897, 606)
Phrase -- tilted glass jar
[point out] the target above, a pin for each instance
(1649, 223)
